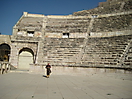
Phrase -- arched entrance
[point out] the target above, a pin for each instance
(25, 59)
(4, 52)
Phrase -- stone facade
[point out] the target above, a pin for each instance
(100, 37)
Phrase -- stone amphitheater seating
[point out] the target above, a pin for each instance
(107, 8)
(99, 52)
(113, 23)
(59, 51)
(127, 5)
(30, 23)
(77, 25)
(106, 51)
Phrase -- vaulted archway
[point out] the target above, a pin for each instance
(26, 57)
(4, 52)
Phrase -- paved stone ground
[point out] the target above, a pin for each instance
(67, 83)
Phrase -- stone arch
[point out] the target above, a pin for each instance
(26, 57)
(5, 51)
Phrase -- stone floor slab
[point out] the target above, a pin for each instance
(71, 85)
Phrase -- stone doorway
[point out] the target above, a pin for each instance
(25, 59)
(4, 52)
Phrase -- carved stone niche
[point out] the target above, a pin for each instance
(30, 33)
(65, 35)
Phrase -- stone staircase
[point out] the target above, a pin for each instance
(126, 58)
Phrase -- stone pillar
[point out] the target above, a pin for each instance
(14, 32)
(14, 55)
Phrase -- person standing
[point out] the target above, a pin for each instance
(48, 70)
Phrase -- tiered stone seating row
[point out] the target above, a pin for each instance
(108, 7)
(26, 22)
(59, 51)
(98, 52)
(77, 25)
(28, 38)
(128, 5)
(112, 23)
(105, 51)
(99, 10)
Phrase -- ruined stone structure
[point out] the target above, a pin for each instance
(100, 37)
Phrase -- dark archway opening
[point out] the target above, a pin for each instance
(4, 52)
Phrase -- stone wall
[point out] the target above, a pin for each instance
(5, 39)
(17, 46)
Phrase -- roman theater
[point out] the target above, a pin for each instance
(95, 38)
(90, 53)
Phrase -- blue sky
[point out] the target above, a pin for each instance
(12, 10)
